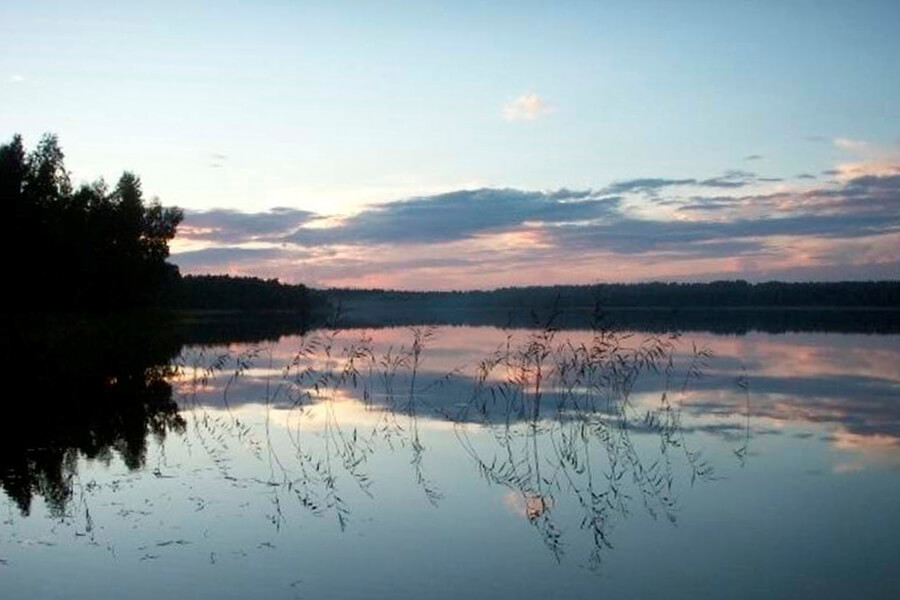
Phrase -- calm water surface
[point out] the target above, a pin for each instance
(475, 462)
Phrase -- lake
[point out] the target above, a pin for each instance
(454, 461)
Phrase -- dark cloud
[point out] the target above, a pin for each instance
(572, 223)
(864, 206)
(702, 203)
(567, 194)
(459, 215)
(753, 157)
(651, 186)
(212, 258)
(872, 194)
(645, 185)
(731, 179)
(872, 184)
(234, 227)
(637, 236)
(806, 176)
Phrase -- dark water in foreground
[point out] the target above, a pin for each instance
(452, 462)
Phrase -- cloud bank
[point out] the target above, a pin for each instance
(736, 225)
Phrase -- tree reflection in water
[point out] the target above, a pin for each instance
(91, 388)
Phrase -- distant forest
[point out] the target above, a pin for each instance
(717, 294)
(726, 307)
(222, 292)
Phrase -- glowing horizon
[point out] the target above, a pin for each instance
(739, 225)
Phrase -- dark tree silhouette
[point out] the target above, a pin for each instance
(223, 292)
(81, 249)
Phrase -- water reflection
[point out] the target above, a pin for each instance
(544, 415)
(93, 389)
(600, 422)
(575, 435)
(840, 383)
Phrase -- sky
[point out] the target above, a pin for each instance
(426, 145)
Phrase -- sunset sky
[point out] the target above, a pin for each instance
(474, 145)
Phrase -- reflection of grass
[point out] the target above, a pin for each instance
(743, 384)
(592, 385)
(559, 414)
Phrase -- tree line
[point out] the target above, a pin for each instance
(97, 248)
(716, 294)
(223, 292)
